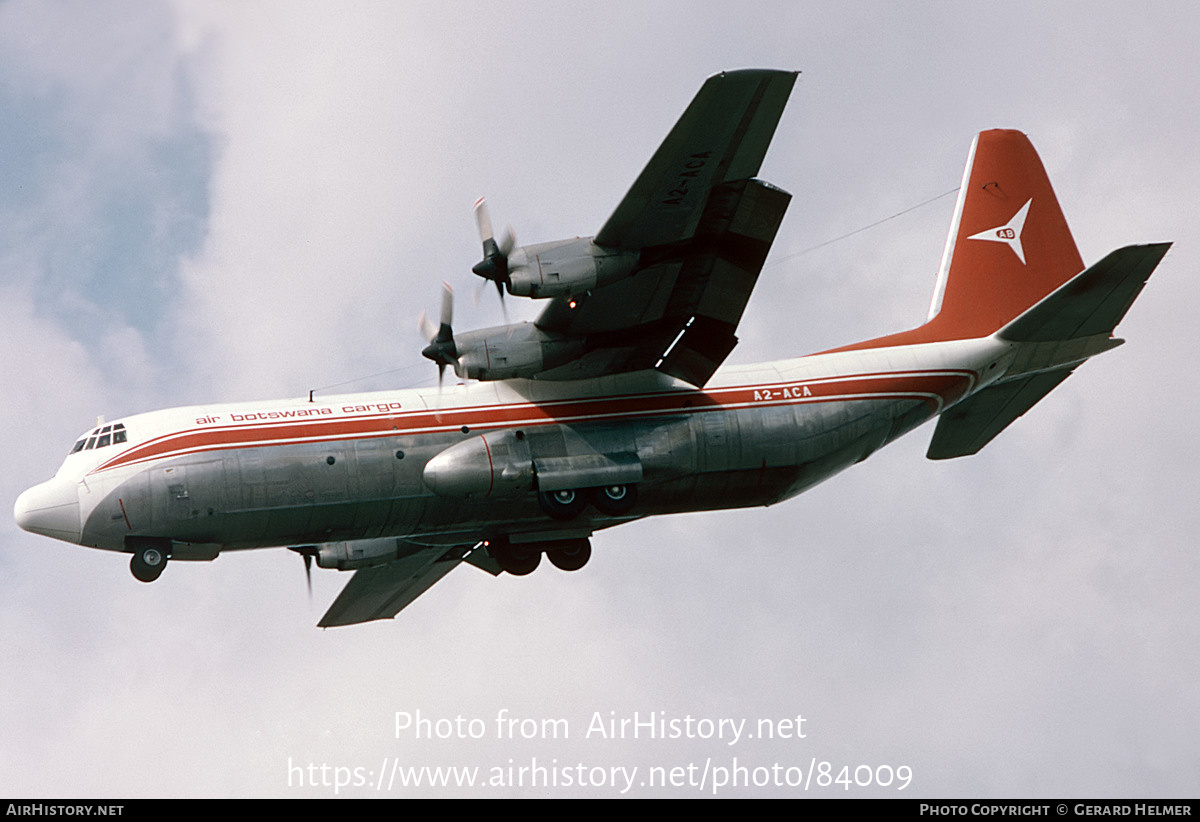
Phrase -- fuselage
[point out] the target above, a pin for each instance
(352, 467)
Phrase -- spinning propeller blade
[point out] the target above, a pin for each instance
(441, 348)
(495, 263)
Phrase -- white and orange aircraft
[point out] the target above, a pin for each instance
(610, 406)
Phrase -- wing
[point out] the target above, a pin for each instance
(702, 226)
(679, 312)
(721, 137)
(381, 591)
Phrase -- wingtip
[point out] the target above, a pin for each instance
(793, 73)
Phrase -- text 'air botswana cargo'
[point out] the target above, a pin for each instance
(610, 406)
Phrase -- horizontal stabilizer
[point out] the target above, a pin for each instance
(974, 422)
(1093, 301)
(1072, 323)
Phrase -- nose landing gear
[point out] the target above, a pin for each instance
(148, 562)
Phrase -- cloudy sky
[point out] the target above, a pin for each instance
(218, 201)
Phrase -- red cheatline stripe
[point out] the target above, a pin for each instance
(935, 387)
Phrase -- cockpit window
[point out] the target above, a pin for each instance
(101, 437)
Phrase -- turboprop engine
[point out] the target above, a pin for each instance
(564, 267)
(359, 553)
(568, 267)
(510, 351)
(501, 353)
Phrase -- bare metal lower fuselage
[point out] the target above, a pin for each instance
(756, 435)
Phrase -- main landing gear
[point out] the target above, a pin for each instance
(524, 557)
(565, 504)
(571, 554)
(149, 560)
(518, 560)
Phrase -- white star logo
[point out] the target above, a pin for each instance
(1009, 233)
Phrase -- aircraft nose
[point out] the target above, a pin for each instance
(50, 509)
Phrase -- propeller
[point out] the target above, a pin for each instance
(495, 263)
(441, 348)
(307, 552)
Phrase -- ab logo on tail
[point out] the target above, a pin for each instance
(1009, 233)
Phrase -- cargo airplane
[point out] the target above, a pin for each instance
(612, 405)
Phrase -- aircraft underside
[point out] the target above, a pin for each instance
(312, 493)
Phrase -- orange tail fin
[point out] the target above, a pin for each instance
(1009, 245)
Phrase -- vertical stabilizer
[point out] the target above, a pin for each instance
(1009, 245)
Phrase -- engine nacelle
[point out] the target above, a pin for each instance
(511, 351)
(566, 267)
(360, 553)
(495, 464)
